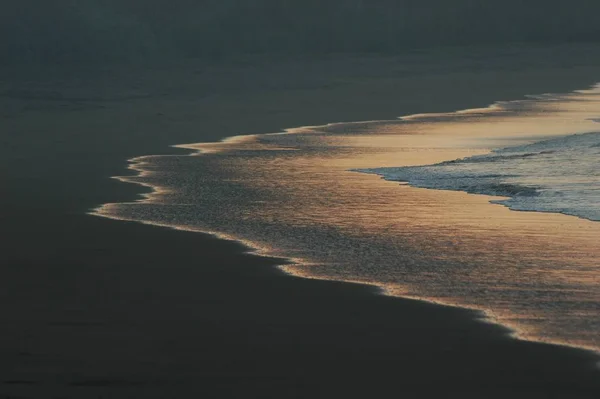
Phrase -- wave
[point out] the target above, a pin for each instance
(558, 175)
(291, 195)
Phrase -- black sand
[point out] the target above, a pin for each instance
(100, 308)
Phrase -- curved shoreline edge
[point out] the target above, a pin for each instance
(136, 165)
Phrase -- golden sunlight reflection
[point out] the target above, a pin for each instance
(294, 195)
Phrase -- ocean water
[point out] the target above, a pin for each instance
(301, 194)
(560, 175)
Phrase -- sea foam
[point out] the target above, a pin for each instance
(560, 175)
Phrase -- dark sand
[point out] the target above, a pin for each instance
(97, 308)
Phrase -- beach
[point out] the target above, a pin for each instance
(101, 308)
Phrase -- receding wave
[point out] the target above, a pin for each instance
(296, 194)
(558, 175)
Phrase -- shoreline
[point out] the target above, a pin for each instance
(101, 308)
(481, 314)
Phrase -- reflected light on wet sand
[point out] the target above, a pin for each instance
(294, 195)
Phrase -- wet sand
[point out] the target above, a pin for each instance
(99, 308)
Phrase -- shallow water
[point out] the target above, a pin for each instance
(297, 194)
